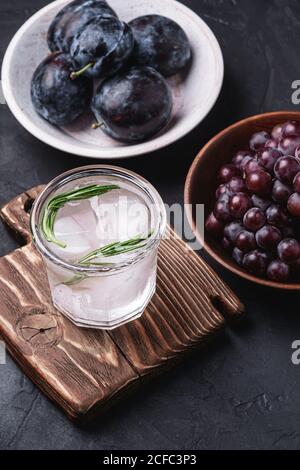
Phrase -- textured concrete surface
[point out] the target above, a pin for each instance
(243, 391)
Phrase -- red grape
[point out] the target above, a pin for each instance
(291, 128)
(289, 250)
(296, 183)
(260, 202)
(222, 189)
(277, 132)
(239, 204)
(239, 157)
(256, 262)
(281, 192)
(232, 230)
(267, 158)
(254, 219)
(272, 144)
(259, 182)
(277, 216)
(268, 237)
(227, 244)
(286, 168)
(245, 162)
(257, 213)
(297, 153)
(237, 185)
(293, 205)
(252, 165)
(288, 145)
(222, 211)
(258, 140)
(245, 241)
(213, 226)
(227, 172)
(238, 256)
(278, 271)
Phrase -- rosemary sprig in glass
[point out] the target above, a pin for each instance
(107, 251)
(57, 202)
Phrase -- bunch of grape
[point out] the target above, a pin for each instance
(257, 212)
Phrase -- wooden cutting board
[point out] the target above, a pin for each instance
(85, 370)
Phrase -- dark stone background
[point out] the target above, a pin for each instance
(243, 391)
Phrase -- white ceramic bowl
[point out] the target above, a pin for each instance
(194, 94)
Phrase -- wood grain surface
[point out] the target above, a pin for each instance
(83, 370)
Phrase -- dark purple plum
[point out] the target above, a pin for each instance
(134, 105)
(56, 97)
(101, 47)
(160, 43)
(71, 19)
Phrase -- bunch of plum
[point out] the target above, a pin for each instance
(257, 212)
(88, 41)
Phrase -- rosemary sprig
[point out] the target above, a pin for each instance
(107, 251)
(57, 202)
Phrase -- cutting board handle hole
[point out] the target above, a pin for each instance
(223, 307)
(28, 205)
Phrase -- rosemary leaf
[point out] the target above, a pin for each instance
(57, 202)
(107, 251)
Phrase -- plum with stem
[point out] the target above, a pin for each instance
(133, 105)
(101, 47)
(57, 98)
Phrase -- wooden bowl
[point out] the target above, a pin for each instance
(201, 184)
